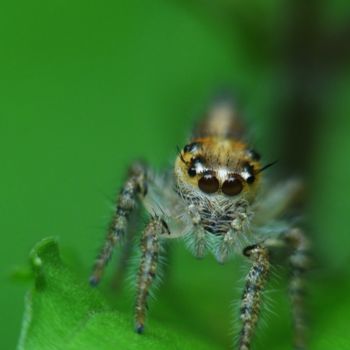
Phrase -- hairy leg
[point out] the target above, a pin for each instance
(299, 264)
(251, 299)
(277, 200)
(126, 250)
(197, 239)
(297, 247)
(134, 186)
(226, 246)
(150, 246)
(232, 238)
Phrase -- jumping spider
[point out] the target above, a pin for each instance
(216, 200)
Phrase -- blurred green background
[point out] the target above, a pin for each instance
(86, 87)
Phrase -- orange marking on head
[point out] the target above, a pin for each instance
(225, 158)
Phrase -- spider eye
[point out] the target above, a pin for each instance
(248, 171)
(254, 154)
(192, 171)
(191, 147)
(232, 186)
(208, 183)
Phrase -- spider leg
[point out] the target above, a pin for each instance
(226, 246)
(126, 251)
(251, 298)
(299, 264)
(239, 225)
(198, 238)
(297, 246)
(134, 186)
(150, 246)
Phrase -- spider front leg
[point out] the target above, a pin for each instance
(150, 246)
(134, 187)
(252, 294)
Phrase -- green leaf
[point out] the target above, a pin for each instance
(62, 312)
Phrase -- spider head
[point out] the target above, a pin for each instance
(216, 167)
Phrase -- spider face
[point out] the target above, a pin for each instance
(217, 166)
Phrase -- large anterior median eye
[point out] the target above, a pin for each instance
(208, 183)
(232, 186)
